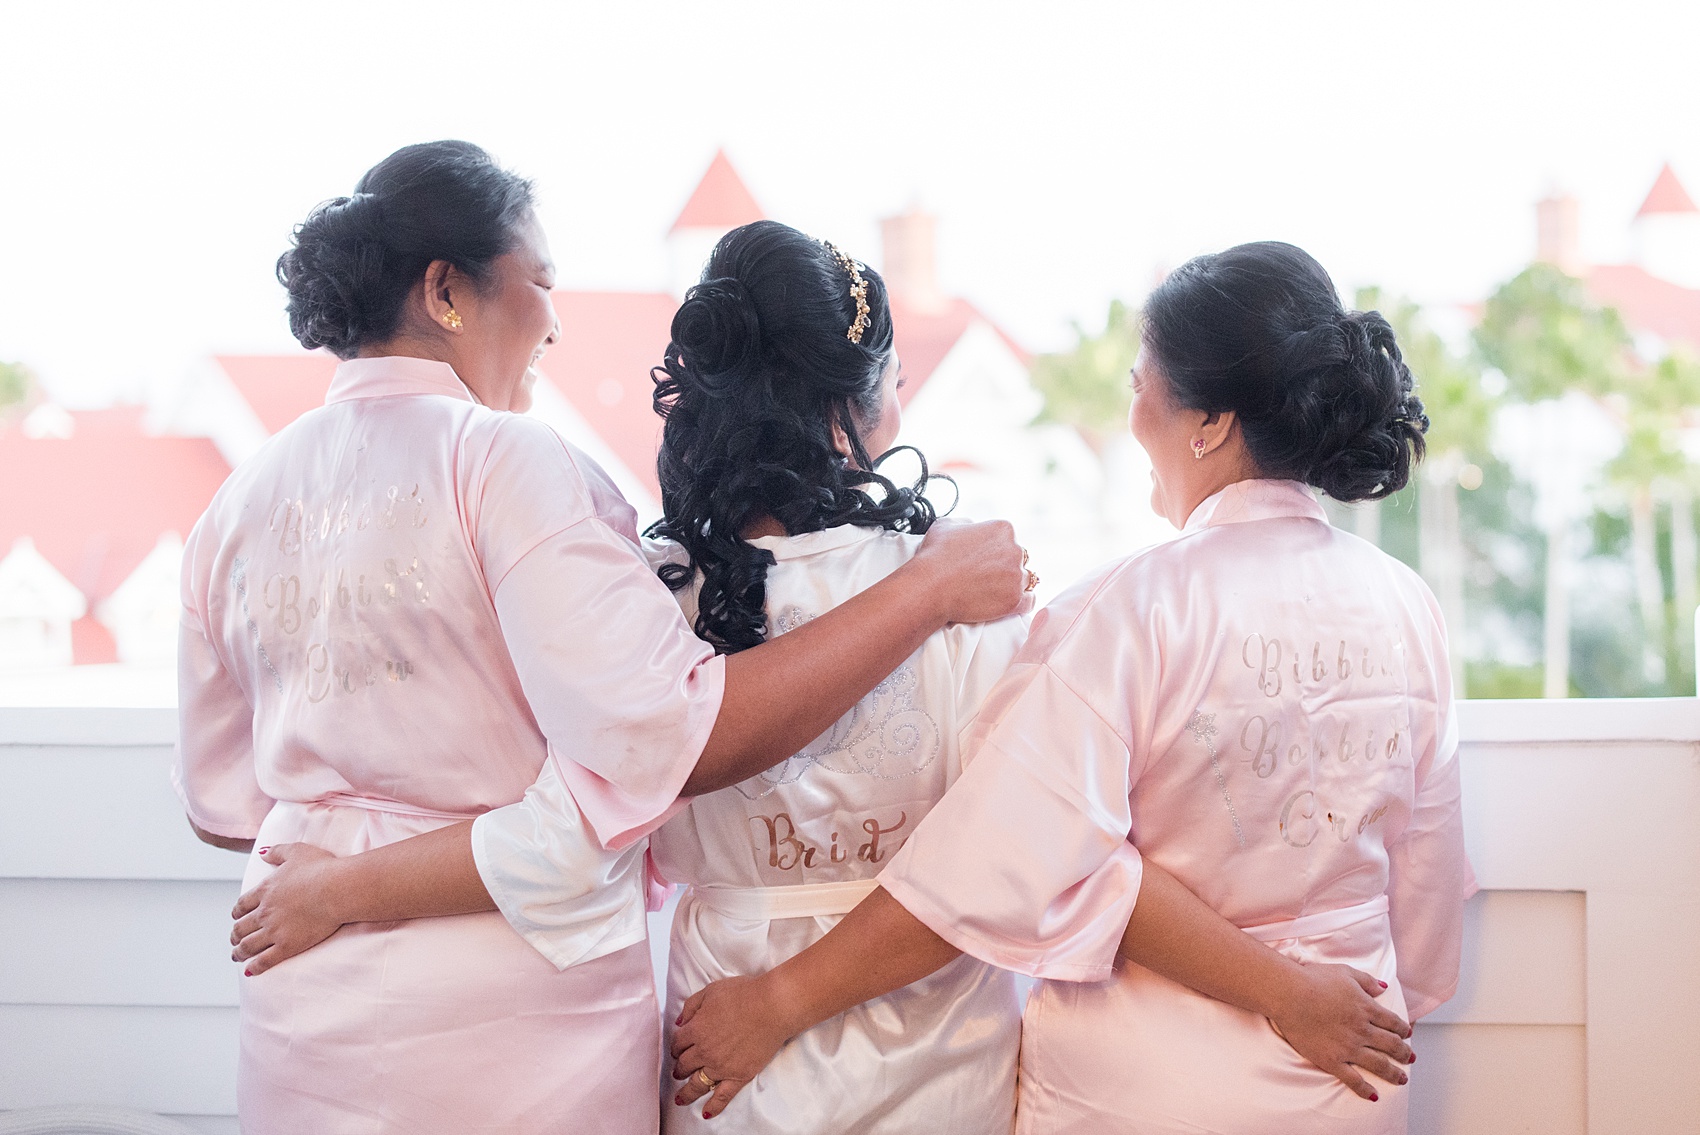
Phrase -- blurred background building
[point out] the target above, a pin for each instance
(88, 585)
(1554, 517)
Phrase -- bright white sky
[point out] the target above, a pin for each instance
(156, 155)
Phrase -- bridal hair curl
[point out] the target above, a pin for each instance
(757, 374)
(1322, 394)
(354, 259)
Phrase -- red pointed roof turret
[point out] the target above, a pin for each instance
(1667, 196)
(720, 201)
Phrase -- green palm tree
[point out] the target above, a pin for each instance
(1653, 467)
(1087, 386)
(1549, 339)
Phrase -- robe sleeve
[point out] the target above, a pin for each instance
(623, 693)
(980, 655)
(1429, 877)
(213, 770)
(1025, 863)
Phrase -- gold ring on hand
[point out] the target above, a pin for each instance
(1032, 581)
(703, 1080)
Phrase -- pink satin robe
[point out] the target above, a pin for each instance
(938, 1055)
(1263, 707)
(403, 611)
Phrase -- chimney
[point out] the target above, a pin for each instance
(910, 243)
(1558, 239)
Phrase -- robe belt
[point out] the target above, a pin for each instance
(804, 900)
(395, 807)
(1323, 922)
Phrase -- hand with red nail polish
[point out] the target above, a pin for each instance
(726, 1033)
(291, 910)
(1331, 1017)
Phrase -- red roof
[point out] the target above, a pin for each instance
(109, 420)
(91, 643)
(1667, 196)
(280, 388)
(105, 499)
(1648, 303)
(609, 341)
(925, 337)
(721, 200)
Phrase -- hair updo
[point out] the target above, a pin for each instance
(759, 371)
(354, 259)
(1322, 394)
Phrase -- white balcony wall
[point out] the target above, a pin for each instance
(1582, 954)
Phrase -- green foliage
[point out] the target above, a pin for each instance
(16, 385)
(1400, 531)
(1610, 532)
(1490, 679)
(1548, 338)
(1087, 386)
(1652, 402)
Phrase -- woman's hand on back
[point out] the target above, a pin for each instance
(980, 572)
(729, 1030)
(1335, 1023)
(289, 912)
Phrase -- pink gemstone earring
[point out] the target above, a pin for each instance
(1198, 448)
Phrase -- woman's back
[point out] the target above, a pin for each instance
(842, 807)
(356, 672)
(1262, 707)
(809, 836)
(1285, 693)
(340, 581)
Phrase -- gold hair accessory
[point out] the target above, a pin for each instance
(452, 318)
(858, 291)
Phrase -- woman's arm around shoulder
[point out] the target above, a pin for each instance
(777, 697)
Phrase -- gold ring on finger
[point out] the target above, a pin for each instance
(1032, 581)
(703, 1080)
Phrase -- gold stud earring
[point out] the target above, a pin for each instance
(452, 319)
(1198, 448)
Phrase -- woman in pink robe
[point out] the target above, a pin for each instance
(412, 609)
(1262, 707)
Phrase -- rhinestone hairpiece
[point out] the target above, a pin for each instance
(858, 291)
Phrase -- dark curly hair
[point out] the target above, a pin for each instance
(354, 259)
(759, 371)
(1322, 394)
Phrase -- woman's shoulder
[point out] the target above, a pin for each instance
(529, 457)
(841, 540)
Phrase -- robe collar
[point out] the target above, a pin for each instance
(1256, 500)
(811, 543)
(395, 374)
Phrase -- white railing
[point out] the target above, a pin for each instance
(1576, 1012)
